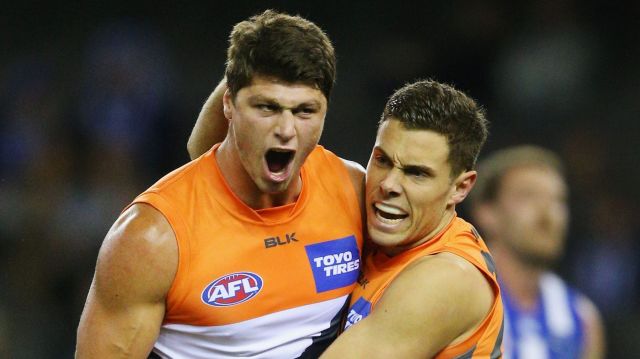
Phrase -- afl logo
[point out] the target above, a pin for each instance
(232, 289)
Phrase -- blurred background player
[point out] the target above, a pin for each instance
(520, 205)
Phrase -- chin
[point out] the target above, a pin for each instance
(275, 188)
(384, 239)
(541, 260)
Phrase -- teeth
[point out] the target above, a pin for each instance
(389, 209)
(389, 214)
(388, 220)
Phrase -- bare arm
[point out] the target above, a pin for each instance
(211, 125)
(438, 301)
(357, 174)
(595, 343)
(126, 302)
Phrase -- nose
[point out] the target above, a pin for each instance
(286, 127)
(390, 184)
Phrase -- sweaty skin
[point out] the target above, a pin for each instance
(408, 175)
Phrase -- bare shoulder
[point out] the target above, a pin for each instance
(443, 289)
(139, 256)
(595, 347)
(447, 289)
(357, 175)
(435, 302)
(126, 302)
(356, 172)
(454, 277)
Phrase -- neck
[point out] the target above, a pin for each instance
(243, 186)
(521, 279)
(444, 221)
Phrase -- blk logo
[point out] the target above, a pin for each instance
(362, 280)
(277, 241)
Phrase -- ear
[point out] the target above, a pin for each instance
(227, 104)
(463, 185)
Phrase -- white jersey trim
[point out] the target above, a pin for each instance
(285, 334)
(557, 304)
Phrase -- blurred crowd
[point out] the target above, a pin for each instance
(86, 127)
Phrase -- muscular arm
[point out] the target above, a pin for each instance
(126, 302)
(211, 125)
(438, 301)
(595, 343)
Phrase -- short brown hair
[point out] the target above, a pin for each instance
(492, 168)
(430, 105)
(287, 47)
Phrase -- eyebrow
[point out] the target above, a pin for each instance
(260, 98)
(272, 101)
(409, 167)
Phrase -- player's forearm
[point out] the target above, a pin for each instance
(211, 125)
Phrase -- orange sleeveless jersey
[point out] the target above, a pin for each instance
(459, 238)
(260, 284)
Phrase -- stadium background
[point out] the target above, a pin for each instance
(97, 100)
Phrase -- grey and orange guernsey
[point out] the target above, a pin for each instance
(460, 238)
(270, 283)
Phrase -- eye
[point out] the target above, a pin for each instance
(526, 194)
(417, 172)
(265, 107)
(381, 160)
(305, 112)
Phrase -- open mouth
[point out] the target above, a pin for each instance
(278, 159)
(389, 214)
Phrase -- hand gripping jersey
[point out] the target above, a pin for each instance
(257, 284)
(553, 330)
(460, 238)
